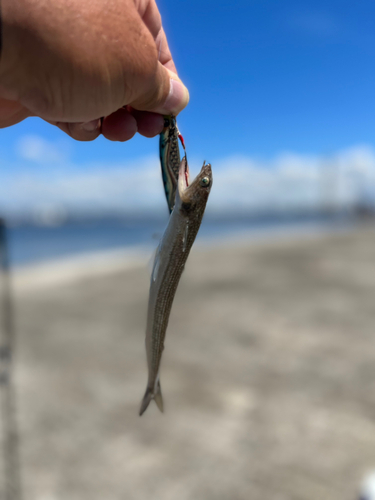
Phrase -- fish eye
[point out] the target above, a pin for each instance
(205, 181)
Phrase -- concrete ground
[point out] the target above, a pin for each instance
(268, 377)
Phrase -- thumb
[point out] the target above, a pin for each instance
(167, 94)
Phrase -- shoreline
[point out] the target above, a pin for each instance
(76, 267)
(35, 245)
(62, 271)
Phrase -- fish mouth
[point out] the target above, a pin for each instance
(206, 168)
(184, 175)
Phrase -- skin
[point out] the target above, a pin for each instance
(72, 62)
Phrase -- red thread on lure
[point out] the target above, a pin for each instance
(182, 141)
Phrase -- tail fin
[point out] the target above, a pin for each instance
(159, 398)
(149, 395)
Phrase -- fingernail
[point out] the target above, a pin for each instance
(177, 98)
(91, 126)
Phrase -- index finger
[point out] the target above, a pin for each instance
(150, 15)
(165, 56)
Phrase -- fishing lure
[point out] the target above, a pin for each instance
(170, 161)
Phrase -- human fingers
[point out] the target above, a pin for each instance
(54, 65)
(72, 80)
(84, 132)
(119, 126)
(148, 124)
(165, 56)
(168, 94)
(164, 94)
(11, 112)
(150, 15)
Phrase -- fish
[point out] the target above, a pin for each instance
(169, 263)
(169, 153)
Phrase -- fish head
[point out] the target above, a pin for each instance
(194, 194)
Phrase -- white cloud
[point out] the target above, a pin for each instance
(37, 149)
(125, 188)
(241, 184)
(295, 181)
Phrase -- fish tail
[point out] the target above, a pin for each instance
(159, 398)
(149, 395)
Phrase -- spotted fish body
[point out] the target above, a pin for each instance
(169, 152)
(169, 263)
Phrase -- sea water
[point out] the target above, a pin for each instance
(34, 243)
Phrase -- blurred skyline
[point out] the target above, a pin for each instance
(281, 105)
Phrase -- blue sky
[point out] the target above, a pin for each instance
(267, 79)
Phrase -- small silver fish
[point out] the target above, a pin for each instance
(169, 263)
(169, 153)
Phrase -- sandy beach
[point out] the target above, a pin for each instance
(268, 375)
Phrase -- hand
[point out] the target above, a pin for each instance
(72, 62)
